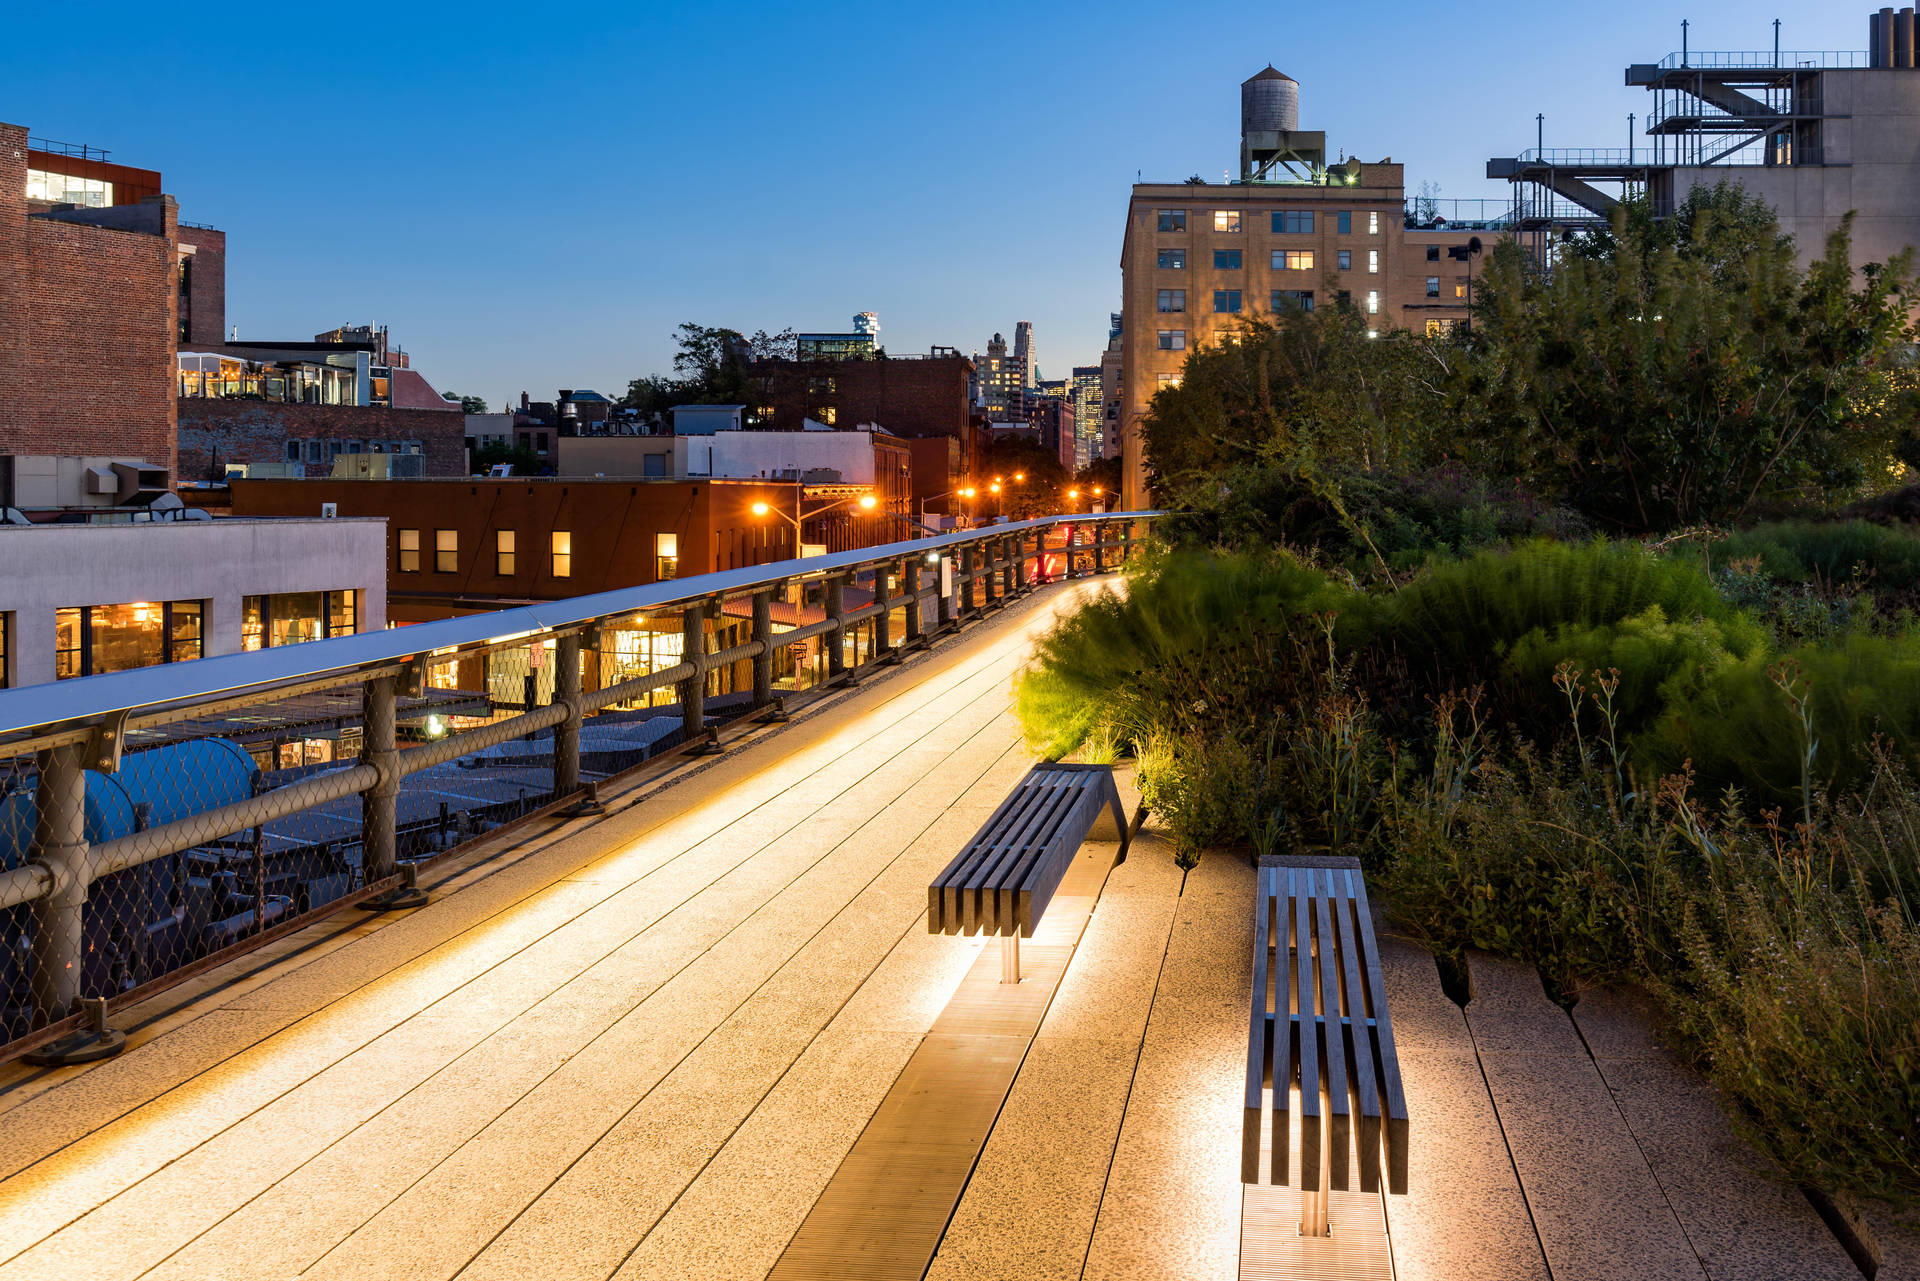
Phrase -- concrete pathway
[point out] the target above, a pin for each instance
(641, 1047)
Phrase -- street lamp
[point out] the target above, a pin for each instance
(866, 502)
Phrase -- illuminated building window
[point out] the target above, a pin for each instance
(92, 193)
(1459, 291)
(1173, 340)
(1373, 262)
(503, 553)
(562, 554)
(1173, 300)
(1166, 380)
(1373, 302)
(1373, 223)
(1173, 259)
(1226, 220)
(446, 551)
(91, 639)
(1170, 220)
(1226, 260)
(1293, 260)
(409, 551)
(293, 618)
(666, 557)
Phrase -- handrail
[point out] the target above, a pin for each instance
(89, 699)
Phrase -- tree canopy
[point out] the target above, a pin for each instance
(710, 368)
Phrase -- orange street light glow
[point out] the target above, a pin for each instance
(994, 488)
(869, 502)
(1019, 475)
(1073, 493)
(761, 509)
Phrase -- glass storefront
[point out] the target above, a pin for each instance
(92, 639)
(300, 382)
(62, 189)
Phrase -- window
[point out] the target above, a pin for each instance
(1373, 302)
(293, 451)
(1345, 259)
(1173, 340)
(1166, 380)
(1373, 262)
(409, 551)
(562, 554)
(1439, 328)
(293, 618)
(828, 415)
(1373, 223)
(1173, 300)
(1226, 220)
(1226, 260)
(1433, 286)
(1284, 298)
(446, 551)
(1170, 220)
(1226, 301)
(503, 549)
(1459, 291)
(1345, 217)
(1433, 253)
(1344, 299)
(1173, 259)
(343, 613)
(91, 639)
(666, 557)
(1293, 260)
(1293, 222)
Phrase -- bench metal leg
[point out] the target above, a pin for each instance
(1010, 958)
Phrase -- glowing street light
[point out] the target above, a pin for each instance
(994, 488)
(1019, 475)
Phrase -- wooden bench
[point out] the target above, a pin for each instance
(1319, 1025)
(1001, 882)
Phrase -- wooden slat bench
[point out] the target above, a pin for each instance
(1320, 1026)
(1001, 882)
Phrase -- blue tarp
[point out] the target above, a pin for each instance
(172, 781)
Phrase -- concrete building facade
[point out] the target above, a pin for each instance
(79, 599)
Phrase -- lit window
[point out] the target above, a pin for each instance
(829, 415)
(1170, 220)
(1166, 380)
(1173, 259)
(1284, 298)
(1226, 260)
(1439, 328)
(1173, 340)
(503, 549)
(562, 554)
(1293, 222)
(1226, 220)
(666, 556)
(1373, 223)
(1459, 291)
(92, 193)
(90, 639)
(1373, 333)
(1373, 262)
(1345, 259)
(1433, 286)
(446, 551)
(409, 551)
(1173, 300)
(1345, 217)
(1293, 260)
(1373, 302)
(1226, 301)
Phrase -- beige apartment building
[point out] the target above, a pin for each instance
(1200, 259)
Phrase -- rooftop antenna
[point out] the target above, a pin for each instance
(1683, 41)
(1540, 136)
(1776, 42)
(1629, 137)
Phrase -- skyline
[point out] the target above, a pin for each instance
(531, 208)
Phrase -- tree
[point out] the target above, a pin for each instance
(710, 368)
(525, 462)
(1041, 493)
(1669, 375)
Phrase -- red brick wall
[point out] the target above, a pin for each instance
(87, 325)
(206, 318)
(906, 397)
(217, 432)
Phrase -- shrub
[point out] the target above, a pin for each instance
(1831, 554)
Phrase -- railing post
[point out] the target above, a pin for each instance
(990, 573)
(1020, 564)
(837, 635)
(942, 602)
(910, 584)
(693, 688)
(882, 623)
(566, 735)
(60, 838)
(966, 580)
(763, 661)
(1099, 548)
(379, 803)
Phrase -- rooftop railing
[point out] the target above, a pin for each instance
(158, 821)
(1764, 59)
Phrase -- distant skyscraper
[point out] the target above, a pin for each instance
(1023, 352)
(999, 384)
(1088, 407)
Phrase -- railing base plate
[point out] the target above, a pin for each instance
(87, 1046)
(401, 898)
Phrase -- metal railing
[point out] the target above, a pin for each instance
(152, 821)
(1764, 59)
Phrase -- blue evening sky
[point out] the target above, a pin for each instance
(534, 196)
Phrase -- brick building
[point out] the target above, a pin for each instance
(214, 433)
(89, 293)
(917, 398)
(463, 546)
